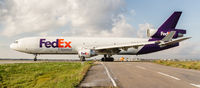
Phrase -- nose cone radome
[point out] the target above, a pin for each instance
(13, 46)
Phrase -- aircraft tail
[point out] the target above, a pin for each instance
(168, 26)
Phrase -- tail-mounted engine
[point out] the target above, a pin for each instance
(150, 32)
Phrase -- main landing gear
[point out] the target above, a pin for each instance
(35, 58)
(82, 58)
(109, 58)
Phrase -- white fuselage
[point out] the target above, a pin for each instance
(71, 45)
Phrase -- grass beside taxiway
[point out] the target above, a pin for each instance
(46, 74)
(181, 64)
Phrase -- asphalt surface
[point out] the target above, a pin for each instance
(96, 77)
(143, 75)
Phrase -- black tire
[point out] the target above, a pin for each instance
(103, 59)
(107, 59)
(82, 58)
(35, 59)
(111, 59)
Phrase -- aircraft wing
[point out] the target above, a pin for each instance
(167, 40)
(136, 45)
(124, 46)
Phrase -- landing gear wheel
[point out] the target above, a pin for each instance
(103, 59)
(35, 59)
(107, 59)
(110, 59)
(82, 58)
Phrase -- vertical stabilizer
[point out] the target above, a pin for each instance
(168, 26)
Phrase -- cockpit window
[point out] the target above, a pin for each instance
(16, 41)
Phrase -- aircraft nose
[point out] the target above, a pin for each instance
(13, 46)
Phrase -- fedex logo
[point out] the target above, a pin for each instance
(84, 53)
(59, 43)
(163, 33)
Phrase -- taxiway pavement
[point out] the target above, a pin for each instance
(142, 75)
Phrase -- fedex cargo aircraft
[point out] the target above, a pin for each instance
(167, 36)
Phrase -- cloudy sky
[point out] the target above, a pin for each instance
(96, 18)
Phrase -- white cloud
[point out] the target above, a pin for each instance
(120, 28)
(83, 17)
(188, 48)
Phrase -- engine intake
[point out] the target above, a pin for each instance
(150, 32)
(86, 53)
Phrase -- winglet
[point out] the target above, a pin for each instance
(169, 36)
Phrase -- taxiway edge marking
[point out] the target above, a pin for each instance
(141, 67)
(108, 73)
(169, 76)
(198, 86)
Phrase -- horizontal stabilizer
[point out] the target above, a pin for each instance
(169, 36)
(174, 41)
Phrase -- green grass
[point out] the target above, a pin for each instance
(181, 64)
(46, 74)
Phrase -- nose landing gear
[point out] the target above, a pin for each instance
(35, 58)
(82, 58)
